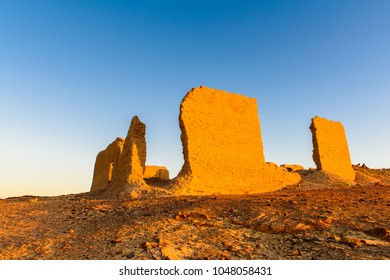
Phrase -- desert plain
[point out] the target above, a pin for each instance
(319, 219)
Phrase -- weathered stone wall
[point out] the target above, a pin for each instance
(292, 167)
(159, 172)
(222, 146)
(106, 164)
(131, 164)
(330, 148)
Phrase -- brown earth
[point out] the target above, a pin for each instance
(321, 218)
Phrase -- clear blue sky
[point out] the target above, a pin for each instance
(73, 73)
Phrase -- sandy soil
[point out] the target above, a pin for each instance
(318, 219)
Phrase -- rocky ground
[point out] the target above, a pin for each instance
(318, 219)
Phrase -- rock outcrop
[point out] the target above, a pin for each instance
(156, 172)
(106, 164)
(222, 147)
(330, 148)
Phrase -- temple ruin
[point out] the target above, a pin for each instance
(222, 147)
(222, 150)
(330, 148)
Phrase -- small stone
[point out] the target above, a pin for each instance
(352, 241)
(327, 220)
(118, 240)
(278, 227)
(294, 253)
(170, 253)
(71, 231)
(336, 238)
(302, 227)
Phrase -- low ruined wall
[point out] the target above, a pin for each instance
(330, 148)
(158, 172)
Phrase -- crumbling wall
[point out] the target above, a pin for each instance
(222, 146)
(330, 148)
(292, 167)
(106, 164)
(158, 172)
(131, 163)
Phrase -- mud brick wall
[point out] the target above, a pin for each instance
(330, 148)
(105, 165)
(131, 164)
(159, 172)
(222, 146)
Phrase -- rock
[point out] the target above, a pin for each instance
(302, 227)
(326, 220)
(351, 241)
(170, 253)
(277, 227)
(214, 123)
(199, 216)
(118, 240)
(330, 148)
(379, 232)
(294, 253)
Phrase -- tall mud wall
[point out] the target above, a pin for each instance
(131, 163)
(330, 148)
(105, 165)
(222, 147)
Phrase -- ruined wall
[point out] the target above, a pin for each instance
(131, 164)
(222, 146)
(292, 167)
(330, 148)
(159, 172)
(106, 164)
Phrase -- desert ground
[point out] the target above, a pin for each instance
(319, 218)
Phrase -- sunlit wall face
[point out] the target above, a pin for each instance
(73, 74)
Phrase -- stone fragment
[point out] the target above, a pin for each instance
(330, 148)
(158, 172)
(222, 147)
(170, 253)
(105, 165)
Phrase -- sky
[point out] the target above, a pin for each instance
(73, 74)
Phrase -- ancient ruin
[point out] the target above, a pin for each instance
(131, 164)
(156, 172)
(330, 148)
(106, 164)
(121, 166)
(292, 167)
(222, 147)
